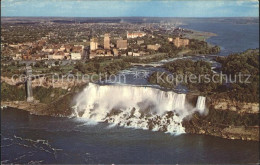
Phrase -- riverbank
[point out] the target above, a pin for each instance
(233, 109)
(196, 125)
(199, 35)
(226, 119)
(47, 100)
(47, 82)
(219, 121)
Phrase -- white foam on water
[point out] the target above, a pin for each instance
(133, 107)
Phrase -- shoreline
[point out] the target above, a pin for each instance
(199, 35)
(61, 107)
(194, 125)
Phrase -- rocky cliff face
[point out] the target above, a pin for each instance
(227, 119)
(47, 82)
(239, 107)
(224, 118)
(197, 125)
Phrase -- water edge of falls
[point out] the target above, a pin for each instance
(135, 107)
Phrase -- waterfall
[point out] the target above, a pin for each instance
(132, 106)
(200, 106)
(180, 101)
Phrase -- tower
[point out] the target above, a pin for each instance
(106, 41)
(29, 93)
(93, 44)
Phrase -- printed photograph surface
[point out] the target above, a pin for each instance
(129, 82)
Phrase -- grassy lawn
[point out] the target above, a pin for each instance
(201, 36)
(152, 55)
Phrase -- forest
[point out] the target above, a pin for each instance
(245, 64)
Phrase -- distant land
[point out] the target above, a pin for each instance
(32, 20)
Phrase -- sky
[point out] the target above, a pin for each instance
(130, 8)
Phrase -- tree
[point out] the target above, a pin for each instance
(37, 64)
(56, 62)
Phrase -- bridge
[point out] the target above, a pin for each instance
(146, 65)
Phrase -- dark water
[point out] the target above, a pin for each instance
(231, 37)
(63, 140)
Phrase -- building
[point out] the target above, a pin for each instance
(26, 57)
(75, 56)
(106, 41)
(93, 44)
(62, 48)
(108, 53)
(135, 34)
(170, 39)
(115, 52)
(100, 53)
(153, 47)
(92, 55)
(77, 48)
(139, 42)
(121, 44)
(178, 42)
(47, 50)
(17, 57)
(56, 57)
(133, 54)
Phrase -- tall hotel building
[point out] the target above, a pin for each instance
(106, 41)
(93, 44)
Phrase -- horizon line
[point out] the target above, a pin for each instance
(130, 17)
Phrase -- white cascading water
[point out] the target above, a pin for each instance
(132, 106)
(200, 106)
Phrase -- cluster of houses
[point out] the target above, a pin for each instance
(113, 50)
(40, 50)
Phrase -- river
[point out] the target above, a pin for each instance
(29, 138)
(232, 37)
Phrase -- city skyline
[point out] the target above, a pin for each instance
(113, 8)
